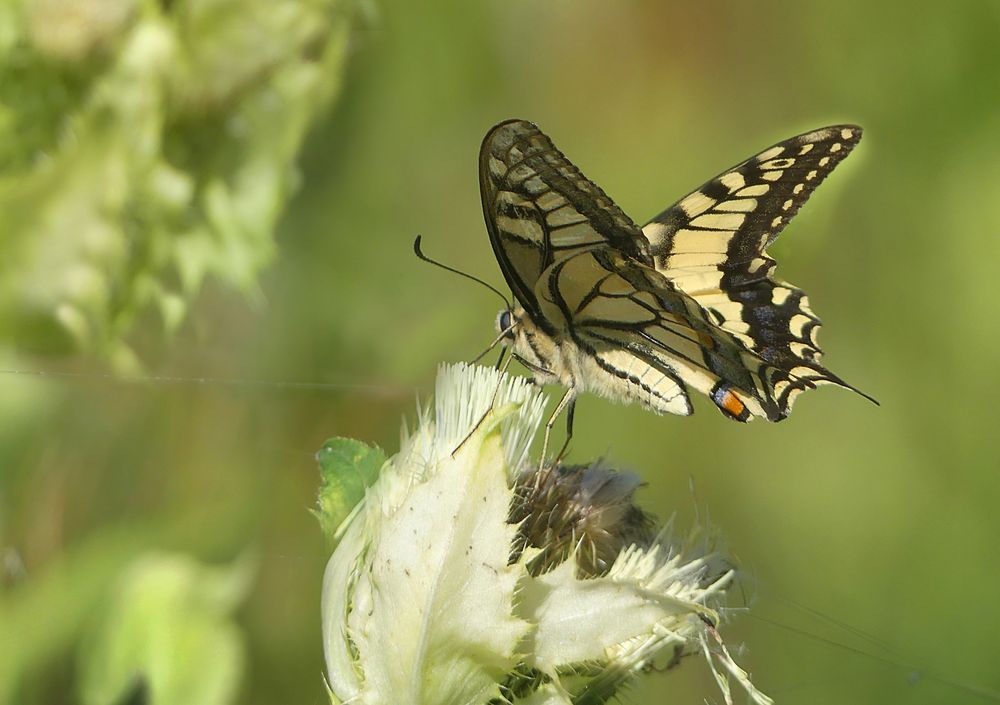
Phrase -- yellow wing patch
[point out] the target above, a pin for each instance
(685, 302)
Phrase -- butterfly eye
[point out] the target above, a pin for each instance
(504, 323)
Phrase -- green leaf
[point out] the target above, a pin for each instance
(347, 468)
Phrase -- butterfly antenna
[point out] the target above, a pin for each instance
(420, 255)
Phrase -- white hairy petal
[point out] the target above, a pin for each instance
(418, 597)
(582, 619)
(440, 626)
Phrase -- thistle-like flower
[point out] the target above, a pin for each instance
(467, 575)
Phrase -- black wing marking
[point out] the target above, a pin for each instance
(727, 223)
(651, 340)
(539, 208)
(711, 245)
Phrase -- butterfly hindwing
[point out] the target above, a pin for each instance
(646, 340)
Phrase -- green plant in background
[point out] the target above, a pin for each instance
(470, 576)
(145, 146)
(168, 633)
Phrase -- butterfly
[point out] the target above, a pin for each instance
(642, 315)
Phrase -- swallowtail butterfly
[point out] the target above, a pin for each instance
(685, 302)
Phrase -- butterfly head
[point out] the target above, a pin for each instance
(529, 345)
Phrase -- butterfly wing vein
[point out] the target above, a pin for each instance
(688, 301)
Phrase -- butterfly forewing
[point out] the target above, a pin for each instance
(727, 223)
(711, 244)
(539, 207)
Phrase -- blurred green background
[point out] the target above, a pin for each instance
(883, 518)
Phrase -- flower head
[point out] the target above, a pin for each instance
(467, 575)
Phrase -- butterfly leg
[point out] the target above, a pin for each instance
(570, 408)
(568, 400)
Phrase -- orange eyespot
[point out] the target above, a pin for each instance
(729, 404)
(732, 404)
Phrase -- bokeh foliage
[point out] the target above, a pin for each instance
(144, 148)
(883, 517)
